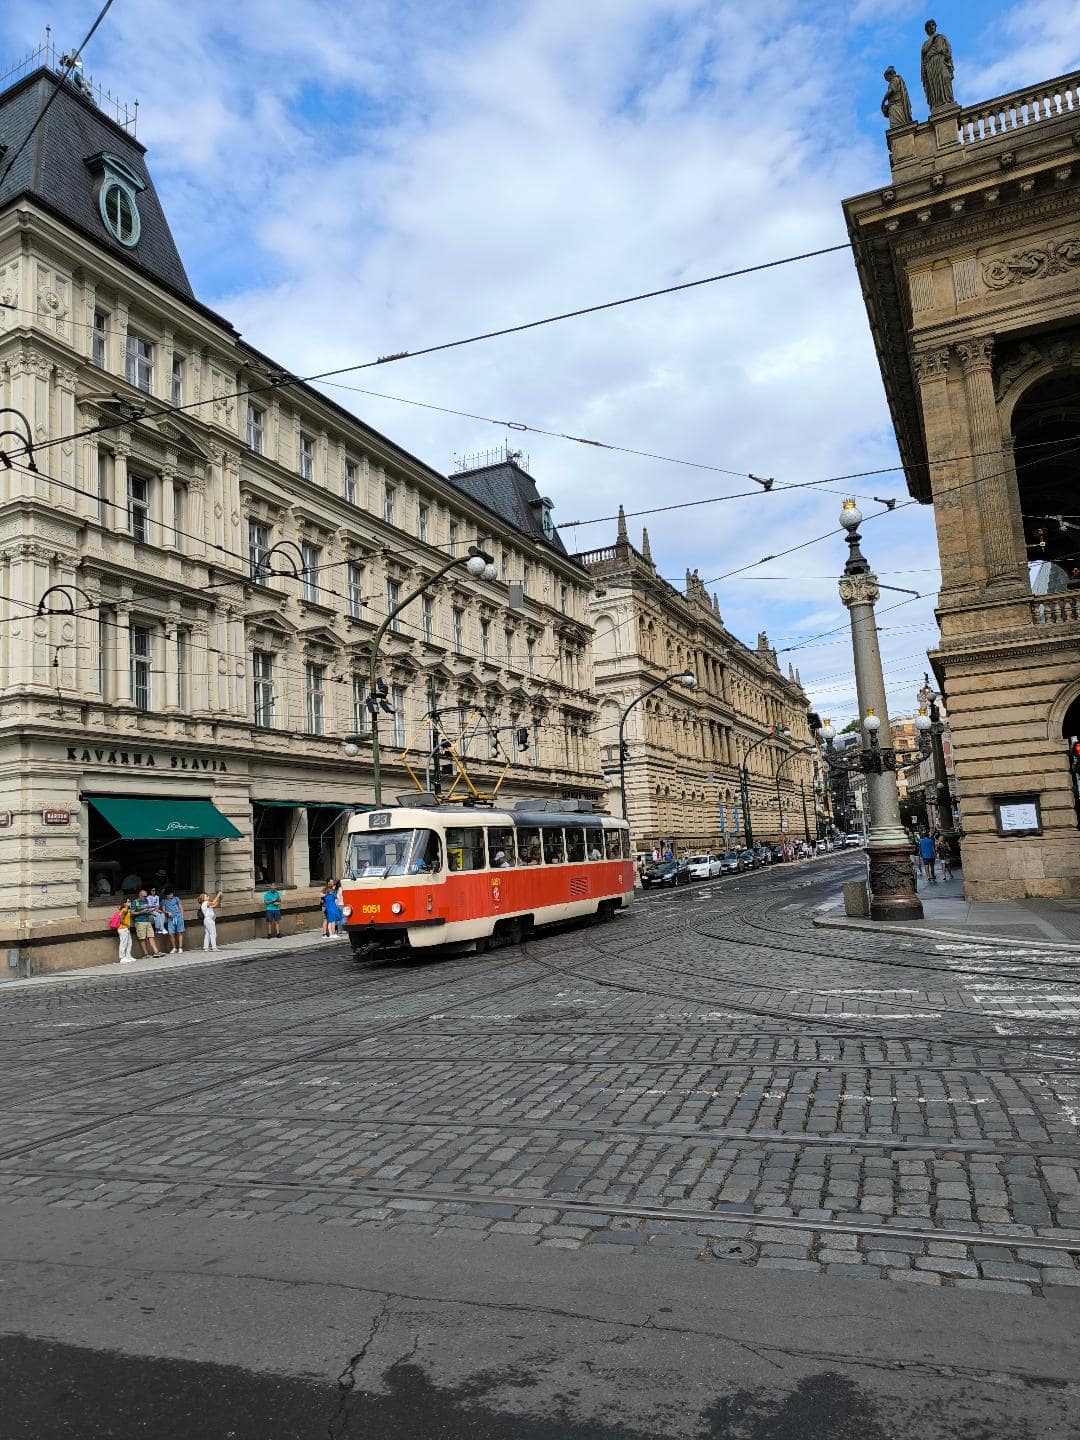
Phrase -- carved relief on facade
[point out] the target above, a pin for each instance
(9, 294)
(931, 364)
(53, 298)
(976, 354)
(222, 387)
(1040, 262)
(1061, 351)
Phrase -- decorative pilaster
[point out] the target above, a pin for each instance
(995, 510)
(121, 677)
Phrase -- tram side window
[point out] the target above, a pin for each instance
(528, 844)
(500, 843)
(624, 844)
(612, 845)
(575, 846)
(554, 853)
(594, 844)
(464, 847)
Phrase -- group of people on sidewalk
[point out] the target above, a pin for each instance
(933, 850)
(148, 917)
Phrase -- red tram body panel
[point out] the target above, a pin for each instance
(426, 876)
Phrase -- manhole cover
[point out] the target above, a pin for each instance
(733, 1250)
(567, 1013)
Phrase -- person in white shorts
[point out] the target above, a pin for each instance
(208, 910)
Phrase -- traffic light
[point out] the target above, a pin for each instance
(523, 737)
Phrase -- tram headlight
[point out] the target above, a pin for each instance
(396, 908)
(346, 910)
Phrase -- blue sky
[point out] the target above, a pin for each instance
(347, 180)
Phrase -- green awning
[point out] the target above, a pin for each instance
(164, 819)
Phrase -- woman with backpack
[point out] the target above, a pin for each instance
(121, 923)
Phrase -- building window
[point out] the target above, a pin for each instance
(355, 581)
(423, 515)
(397, 700)
(530, 655)
(427, 614)
(256, 428)
(312, 561)
(181, 669)
(508, 636)
(453, 537)
(525, 579)
(361, 715)
(262, 669)
(348, 487)
(259, 551)
(139, 508)
(485, 636)
(98, 338)
(140, 648)
(307, 457)
(139, 363)
(176, 388)
(104, 485)
(393, 595)
(459, 629)
(389, 504)
(564, 597)
(316, 717)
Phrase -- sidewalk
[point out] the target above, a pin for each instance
(238, 950)
(1048, 924)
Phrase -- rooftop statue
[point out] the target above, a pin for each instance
(937, 69)
(896, 105)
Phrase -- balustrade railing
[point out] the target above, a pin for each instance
(1009, 113)
(1056, 609)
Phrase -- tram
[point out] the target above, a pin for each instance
(423, 876)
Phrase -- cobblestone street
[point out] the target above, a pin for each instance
(706, 1078)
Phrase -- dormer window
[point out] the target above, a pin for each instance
(117, 197)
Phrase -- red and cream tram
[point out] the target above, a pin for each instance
(423, 876)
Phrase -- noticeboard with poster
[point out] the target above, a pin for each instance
(1017, 815)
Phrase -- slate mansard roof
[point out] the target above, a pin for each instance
(52, 171)
(511, 492)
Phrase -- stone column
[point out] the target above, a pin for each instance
(996, 506)
(168, 534)
(121, 677)
(170, 629)
(892, 883)
(199, 665)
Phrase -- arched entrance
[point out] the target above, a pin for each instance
(1045, 424)
(1070, 733)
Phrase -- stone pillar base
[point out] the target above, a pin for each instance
(892, 884)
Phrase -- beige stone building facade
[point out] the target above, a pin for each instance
(685, 749)
(969, 258)
(227, 541)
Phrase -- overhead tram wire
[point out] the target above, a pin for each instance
(283, 379)
(66, 75)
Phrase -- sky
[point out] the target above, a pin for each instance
(349, 180)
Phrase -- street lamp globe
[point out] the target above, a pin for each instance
(871, 723)
(923, 722)
(351, 750)
(491, 572)
(476, 565)
(850, 515)
(827, 732)
(689, 679)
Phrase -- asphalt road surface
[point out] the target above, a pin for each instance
(703, 1173)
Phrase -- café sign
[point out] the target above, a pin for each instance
(145, 759)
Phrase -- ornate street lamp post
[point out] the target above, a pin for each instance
(744, 781)
(481, 566)
(681, 677)
(932, 724)
(892, 880)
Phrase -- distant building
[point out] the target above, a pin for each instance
(685, 748)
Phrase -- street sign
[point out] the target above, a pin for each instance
(56, 817)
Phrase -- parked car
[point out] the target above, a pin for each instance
(704, 867)
(763, 854)
(667, 872)
(854, 840)
(732, 863)
(749, 859)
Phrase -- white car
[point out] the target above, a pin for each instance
(854, 840)
(704, 867)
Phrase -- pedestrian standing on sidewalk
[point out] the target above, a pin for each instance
(332, 911)
(928, 854)
(174, 921)
(208, 910)
(157, 915)
(943, 854)
(144, 928)
(121, 923)
(272, 902)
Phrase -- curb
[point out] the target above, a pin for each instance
(878, 927)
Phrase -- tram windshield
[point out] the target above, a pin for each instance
(393, 852)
